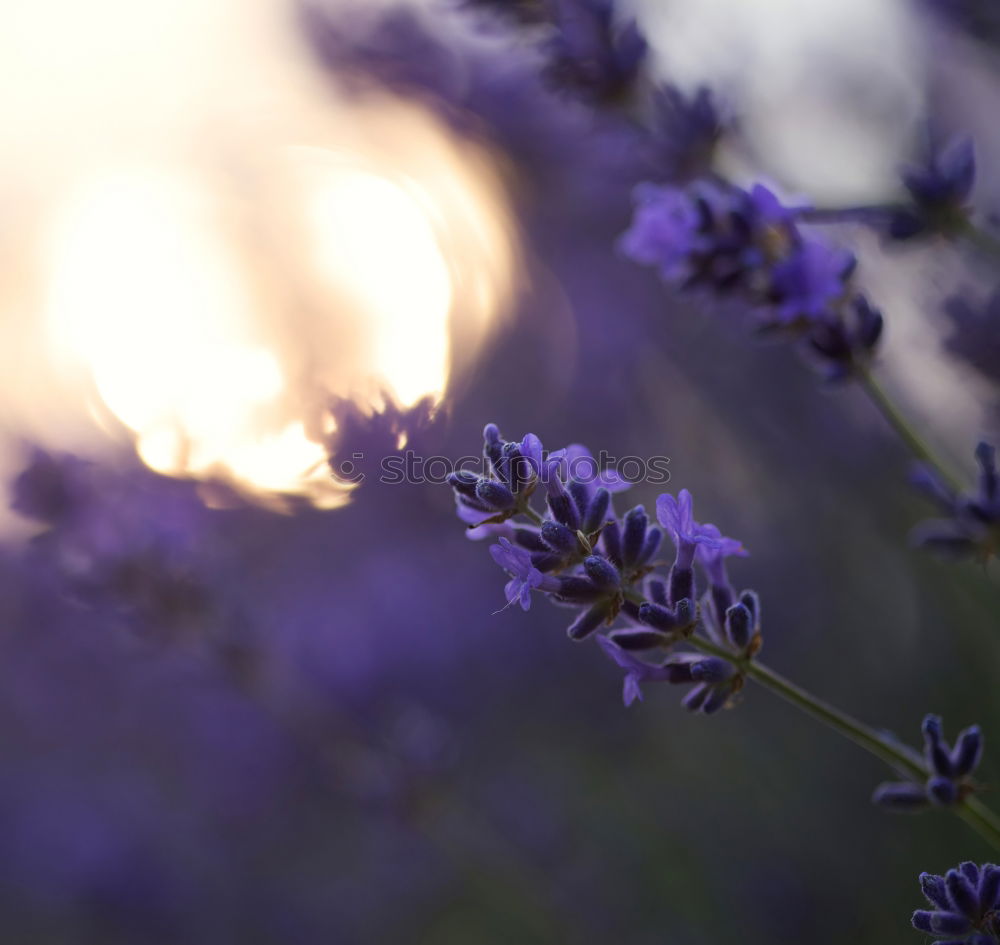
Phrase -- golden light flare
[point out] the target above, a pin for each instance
(233, 245)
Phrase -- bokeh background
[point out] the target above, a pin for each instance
(244, 702)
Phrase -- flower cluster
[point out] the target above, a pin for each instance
(964, 905)
(729, 241)
(582, 555)
(971, 527)
(950, 769)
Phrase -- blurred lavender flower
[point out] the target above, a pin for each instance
(128, 541)
(964, 904)
(727, 241)
(938, 192)
(685, 132)
(950, 769)
(972, 528)
(591, 55)
(975, 336)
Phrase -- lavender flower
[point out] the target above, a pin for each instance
(686, 130)
(513, 473)
(843, 347)
(582, 556)
(938, 192)
(713, 678)
(666, 231)
(677, 517)
(636, 671)
(964, 905)
(590, 54)
(727, 241)
(950, 769)
(972, 528)
(809, 281)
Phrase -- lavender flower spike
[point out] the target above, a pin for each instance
(964, 905)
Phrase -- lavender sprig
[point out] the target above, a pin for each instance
(971, 528)
(582, 556)
(950, 769)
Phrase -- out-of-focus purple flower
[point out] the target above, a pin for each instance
(938, 192)
(950, 769)
(975, 335)
(665, 230)
(685, 132)
(592, 55)
(525, 577)
(727, 241)
(964, 905)
(843, 347)
(122, 539)
(806, 284)
(972, 529)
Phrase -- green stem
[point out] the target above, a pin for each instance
(914, 442)
(979, 817)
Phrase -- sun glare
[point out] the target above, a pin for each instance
(210, 289)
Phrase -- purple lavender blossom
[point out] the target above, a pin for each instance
(524, 576)
(590, 54)
(712, 678)
(636, 670)
(938, 192)
(964, 905)
(950, 769)
(665, 231)
(972, 528)
(677, 517)
(686, 130)
(806, 284)
(582, 556)
(843, 347)
(724, 240)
